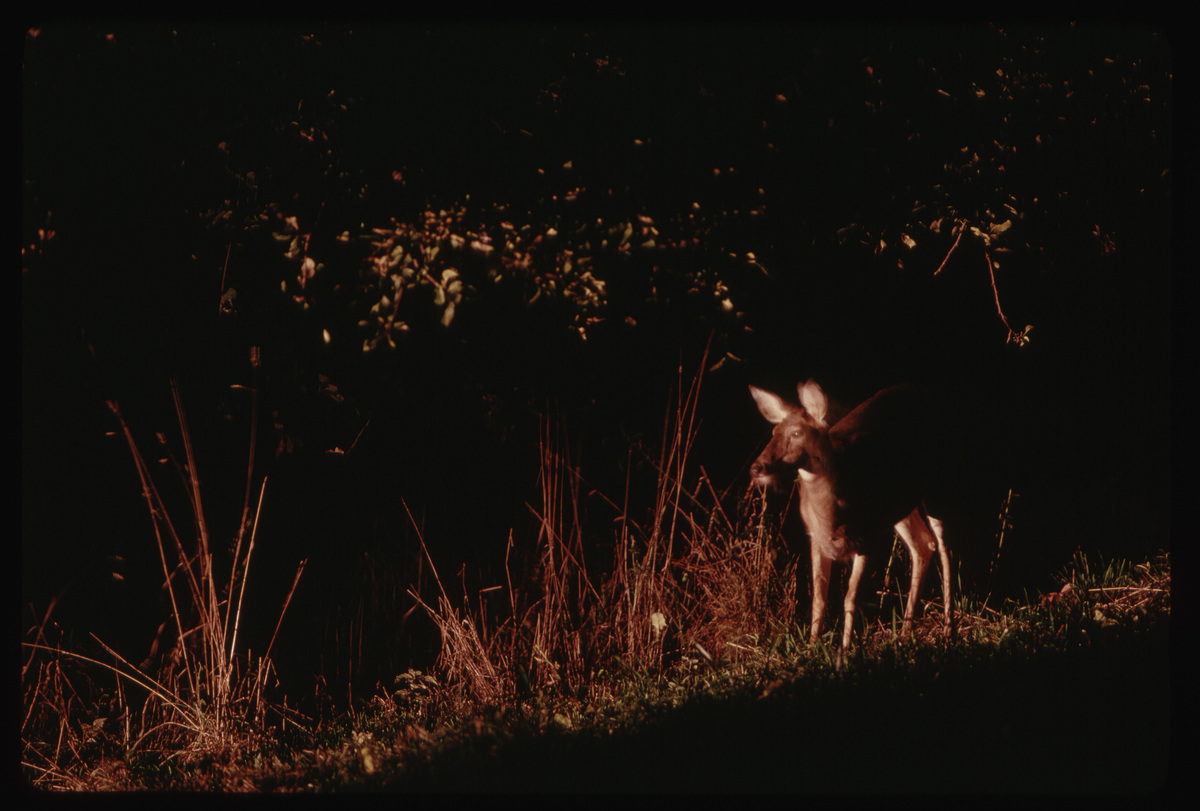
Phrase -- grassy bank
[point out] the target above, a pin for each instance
(679, 666)
(1065, 693)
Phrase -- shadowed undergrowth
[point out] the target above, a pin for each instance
(678, 665)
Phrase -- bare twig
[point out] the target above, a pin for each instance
(962, 229)
(1019, 337)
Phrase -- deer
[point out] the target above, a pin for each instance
(858, 480)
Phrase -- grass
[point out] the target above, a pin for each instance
(1031, 682)
(1064, 661)
(680, 667)
(206, 696)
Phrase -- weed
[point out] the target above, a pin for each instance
(207, 693)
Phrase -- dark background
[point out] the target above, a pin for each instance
(828, 140)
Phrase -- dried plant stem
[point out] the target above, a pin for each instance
(206, 701)
(245, 574)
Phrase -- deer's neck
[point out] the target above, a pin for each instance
(818, 507)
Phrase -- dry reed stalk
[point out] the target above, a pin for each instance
(463, 654)
(690, 576)
(200, 689)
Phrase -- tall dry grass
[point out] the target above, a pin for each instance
(203, 690)
(687, 580)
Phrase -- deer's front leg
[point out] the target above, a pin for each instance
(857, 566)
(821, 567)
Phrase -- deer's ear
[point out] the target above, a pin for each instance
(771, 405)
(813, 400)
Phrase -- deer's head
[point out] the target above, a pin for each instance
(799, 443)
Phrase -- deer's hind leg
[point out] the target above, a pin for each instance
(921, 542)
(944, 557)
